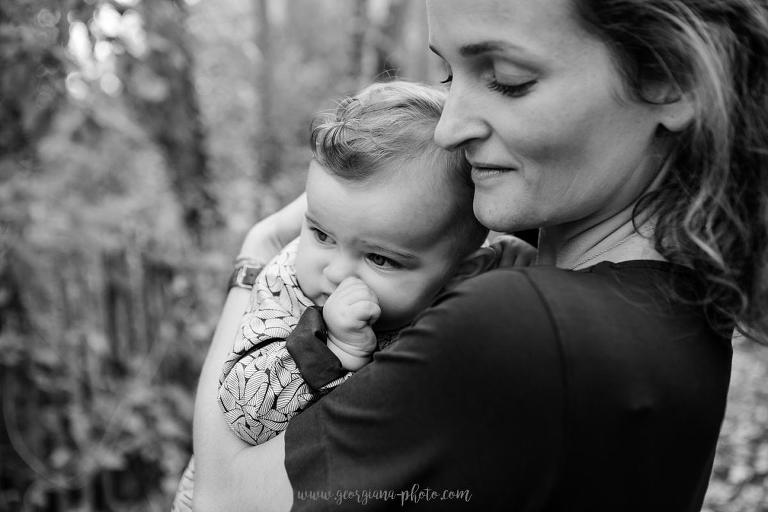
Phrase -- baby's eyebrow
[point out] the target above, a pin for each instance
(400, 254)
(313, 223)
(311, 219)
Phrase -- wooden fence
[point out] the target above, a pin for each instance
(97, 380)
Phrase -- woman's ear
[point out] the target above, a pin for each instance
(677, 108)
(678, 113)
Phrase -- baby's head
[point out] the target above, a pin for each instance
(385, 203)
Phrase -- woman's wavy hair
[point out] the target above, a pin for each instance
(712, 206)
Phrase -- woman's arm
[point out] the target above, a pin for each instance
(267, 237)
(230, 474)
(448, 408)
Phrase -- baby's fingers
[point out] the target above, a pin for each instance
(365, 311)
(353, 289)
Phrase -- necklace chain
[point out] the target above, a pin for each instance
(609, 248)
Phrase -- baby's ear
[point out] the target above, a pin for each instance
(482, 260)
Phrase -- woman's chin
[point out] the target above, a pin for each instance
(497, 215)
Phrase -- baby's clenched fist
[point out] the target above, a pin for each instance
(349, 313)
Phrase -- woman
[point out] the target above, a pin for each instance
(633, 133)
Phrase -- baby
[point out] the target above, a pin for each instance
(389, 224)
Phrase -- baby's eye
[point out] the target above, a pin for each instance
(320, 236)
(382, 261)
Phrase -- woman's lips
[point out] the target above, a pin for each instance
(482, 172)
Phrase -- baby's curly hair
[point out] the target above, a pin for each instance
(390, 124)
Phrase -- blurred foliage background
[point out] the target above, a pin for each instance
(139, 139)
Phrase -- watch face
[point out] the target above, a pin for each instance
(250, 274)
(244, 276)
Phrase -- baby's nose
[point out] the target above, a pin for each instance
(339, 269)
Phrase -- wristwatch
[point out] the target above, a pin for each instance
(244, 275)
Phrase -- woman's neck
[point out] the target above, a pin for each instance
(614, 239)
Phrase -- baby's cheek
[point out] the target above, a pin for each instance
(402, 303)
(305, 275)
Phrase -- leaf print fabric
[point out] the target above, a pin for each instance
(260, 386)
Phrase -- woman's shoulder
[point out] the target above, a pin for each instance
(600, 278)
(516, 376)
(627, 308)
(637, 373)
(631, 288)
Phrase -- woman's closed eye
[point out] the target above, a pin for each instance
(382, 261)
(508, 82)
(448, 73)
(513, 90)
(514, 87)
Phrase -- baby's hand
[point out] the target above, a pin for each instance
(349, 312)
(513, 252)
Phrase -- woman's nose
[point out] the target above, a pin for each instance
(460, 121)
(339, 268)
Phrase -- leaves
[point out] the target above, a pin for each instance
(740, 474)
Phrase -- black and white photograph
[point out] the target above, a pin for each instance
(383, 255)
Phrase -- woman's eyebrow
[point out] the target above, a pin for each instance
(471, 50)
(475, 49)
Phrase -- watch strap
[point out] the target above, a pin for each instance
(244, 274)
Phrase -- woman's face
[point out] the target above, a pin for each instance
(538, 104)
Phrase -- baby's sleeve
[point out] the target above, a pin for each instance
(265, 388)
(262, 392)
(261, 387)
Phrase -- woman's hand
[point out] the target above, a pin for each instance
(265, 239)
(504, 251)
(513, 252)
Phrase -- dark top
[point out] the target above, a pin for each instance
(532, 389)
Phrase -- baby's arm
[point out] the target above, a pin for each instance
(349, 313)
(265, 388)
(263, 392)
(262, 388)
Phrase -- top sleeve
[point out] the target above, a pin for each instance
(265, 387)
(319, 367)
(261, 388)
(447, 416)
